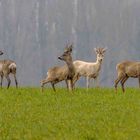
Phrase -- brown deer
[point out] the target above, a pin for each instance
(125, 70)
(7, 67)
(58, 73)
(66, 56)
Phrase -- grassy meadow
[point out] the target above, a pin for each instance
(96, 114)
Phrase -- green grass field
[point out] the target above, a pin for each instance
(99, 114)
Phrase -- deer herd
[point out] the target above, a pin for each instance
(73, 70)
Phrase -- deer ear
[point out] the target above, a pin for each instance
(95, 49)
(66, 49)
(71, 48)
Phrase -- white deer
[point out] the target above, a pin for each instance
(89, 69)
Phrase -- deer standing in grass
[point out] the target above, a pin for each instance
(66, 56)
(89, 69)
(57, 74)
(7, 67)
(125, 70)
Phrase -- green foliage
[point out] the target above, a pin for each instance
(96, 114)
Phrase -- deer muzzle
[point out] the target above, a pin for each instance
(60, 58)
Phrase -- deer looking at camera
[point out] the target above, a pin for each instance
(89, 69)
(7, 67)
(125, 70)
(60, 73)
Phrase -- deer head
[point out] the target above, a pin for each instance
(67, 53)
(100, 53)
(68, 48)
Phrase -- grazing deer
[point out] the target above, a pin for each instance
(66, 56)
(125, 70)
(89, 69)
(58, 74)
(7, 67)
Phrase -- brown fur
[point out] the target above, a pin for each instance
(5, 71)
(125, 70)
(58, 74)
(55, 75)
(66, 56)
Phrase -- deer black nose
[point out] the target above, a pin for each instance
(100, 59)
(1, 53)
(59, 58)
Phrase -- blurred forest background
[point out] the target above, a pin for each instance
(34, 33)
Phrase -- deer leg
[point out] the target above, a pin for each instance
(88, 80)
(124, 79)
(73, 84)
(75, 78)
(120, 76)
(139, 81)
(70, 85)
(116, 83)
(42, 85)
(1, 80)
(43, 82)
(67, 84)
(96, 82)
(53, 86)
(16, 82)
(9, 81)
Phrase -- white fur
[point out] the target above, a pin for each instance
(7, 67)
(1, 67)
(12, 65)
(88, 69)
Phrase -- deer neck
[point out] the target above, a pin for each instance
(98, 64)
(71, 70)
(70, 65)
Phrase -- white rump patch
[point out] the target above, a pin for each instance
(12, 65)
(1, 67)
